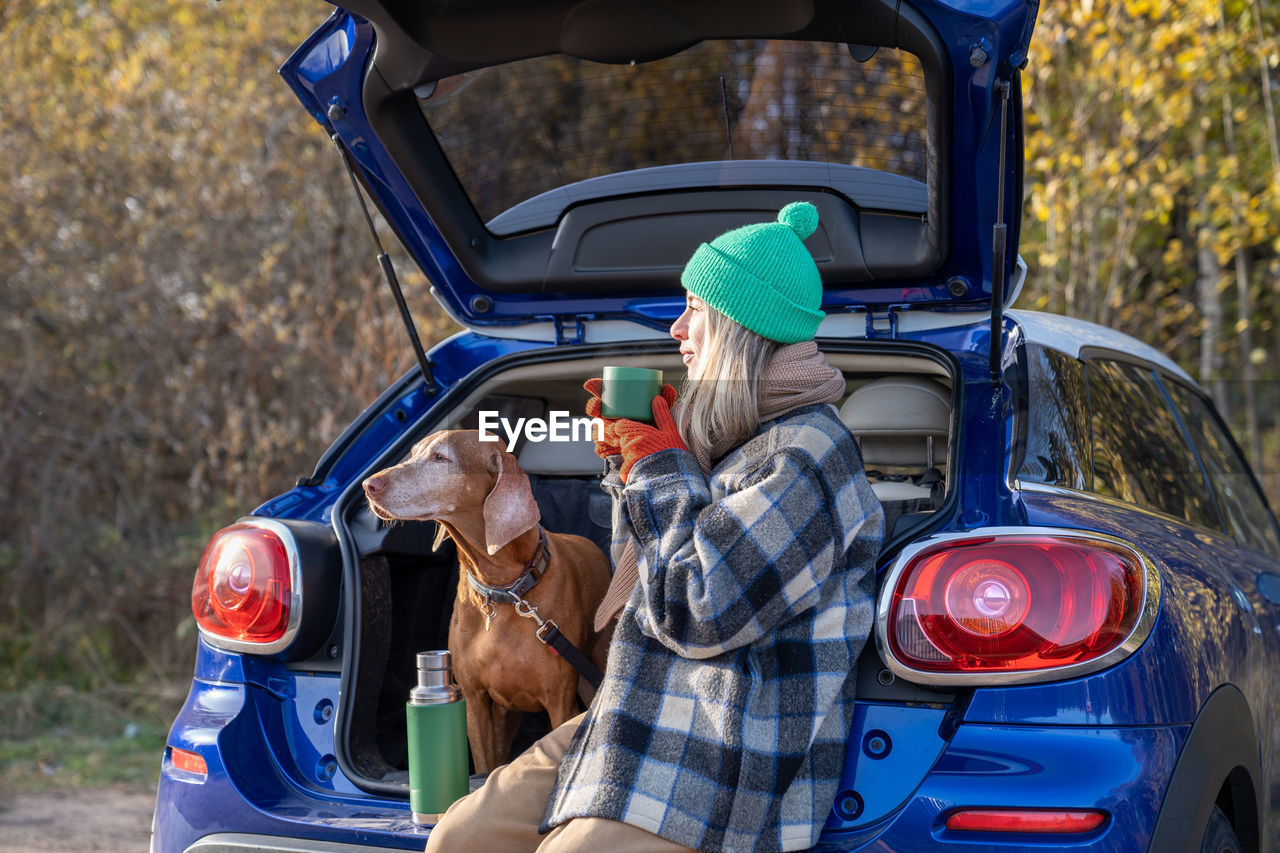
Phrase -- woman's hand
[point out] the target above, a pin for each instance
(608, 445)
(637, 440)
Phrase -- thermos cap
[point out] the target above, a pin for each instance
(435, 680)
(440, 659)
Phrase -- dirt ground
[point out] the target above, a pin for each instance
(93, 819)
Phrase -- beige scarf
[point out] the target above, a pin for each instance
(796, 375)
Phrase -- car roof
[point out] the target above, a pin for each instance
(1075, 337)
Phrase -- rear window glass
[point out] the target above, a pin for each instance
(1140, 453)
(1057, 450)
(513, 131)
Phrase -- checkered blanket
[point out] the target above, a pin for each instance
(728, 695)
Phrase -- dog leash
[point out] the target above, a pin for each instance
(547, 632)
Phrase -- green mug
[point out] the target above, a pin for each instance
(628, 392)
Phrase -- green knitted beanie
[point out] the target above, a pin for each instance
(762, 276)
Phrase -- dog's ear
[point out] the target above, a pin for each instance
(442, 533)
(510, 509)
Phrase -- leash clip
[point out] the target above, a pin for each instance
(530, 611)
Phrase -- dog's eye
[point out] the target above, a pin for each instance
(437, 457)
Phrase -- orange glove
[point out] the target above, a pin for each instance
(608, 446)
(638, 440)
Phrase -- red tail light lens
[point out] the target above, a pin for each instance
(1014, 603)
(243, 597)
(188, 762)
(1026, 820)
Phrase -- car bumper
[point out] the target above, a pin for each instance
(1123, 772)
(251, 800)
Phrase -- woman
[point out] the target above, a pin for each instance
(745, 536)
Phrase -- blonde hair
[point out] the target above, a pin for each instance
(723, 399)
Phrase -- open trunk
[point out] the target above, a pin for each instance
(406, 591)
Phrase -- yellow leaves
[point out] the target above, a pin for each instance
(1099, 49)
(1175, 108)
(1069, 160)
(1039, 202)
(1080, 13)
(184, 16)
(1189, 62)
(1138, 8)
(128, 74)
(1163, 39)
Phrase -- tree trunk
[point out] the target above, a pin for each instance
(1209, 276)
(1210, 299)
(1244, 310)
(1264, 68)
(1267, 102)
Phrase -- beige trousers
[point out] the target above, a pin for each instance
(504, 814)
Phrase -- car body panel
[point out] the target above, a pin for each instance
(989, 766)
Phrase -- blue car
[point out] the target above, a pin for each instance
(1077, 642)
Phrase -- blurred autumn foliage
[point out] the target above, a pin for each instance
(1153, 189)
(192, 312)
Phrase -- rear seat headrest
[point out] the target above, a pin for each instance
(561, 458)
(895, 418)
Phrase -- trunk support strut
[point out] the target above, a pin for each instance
(389, 274)
(999, 243)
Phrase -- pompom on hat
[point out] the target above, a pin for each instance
(761, 276)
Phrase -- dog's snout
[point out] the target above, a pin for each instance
(375, 486)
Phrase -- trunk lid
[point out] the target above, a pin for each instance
(559, 162)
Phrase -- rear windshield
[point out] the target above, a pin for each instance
(514, 131)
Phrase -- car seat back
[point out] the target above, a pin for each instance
(903, 426)
(565, 479)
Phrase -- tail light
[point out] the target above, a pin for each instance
(247, 593)
(186, 765)
(1015, 605)
(1061, 821)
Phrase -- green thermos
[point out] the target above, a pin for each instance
(437, 717)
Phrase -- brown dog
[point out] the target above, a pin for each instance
(481, 498)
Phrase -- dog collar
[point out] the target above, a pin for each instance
(515, 591)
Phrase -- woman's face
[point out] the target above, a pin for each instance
(690, 329)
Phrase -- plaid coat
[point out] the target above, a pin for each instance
(722, 718)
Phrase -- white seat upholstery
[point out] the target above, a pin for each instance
(561, 458)
(902, 423)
